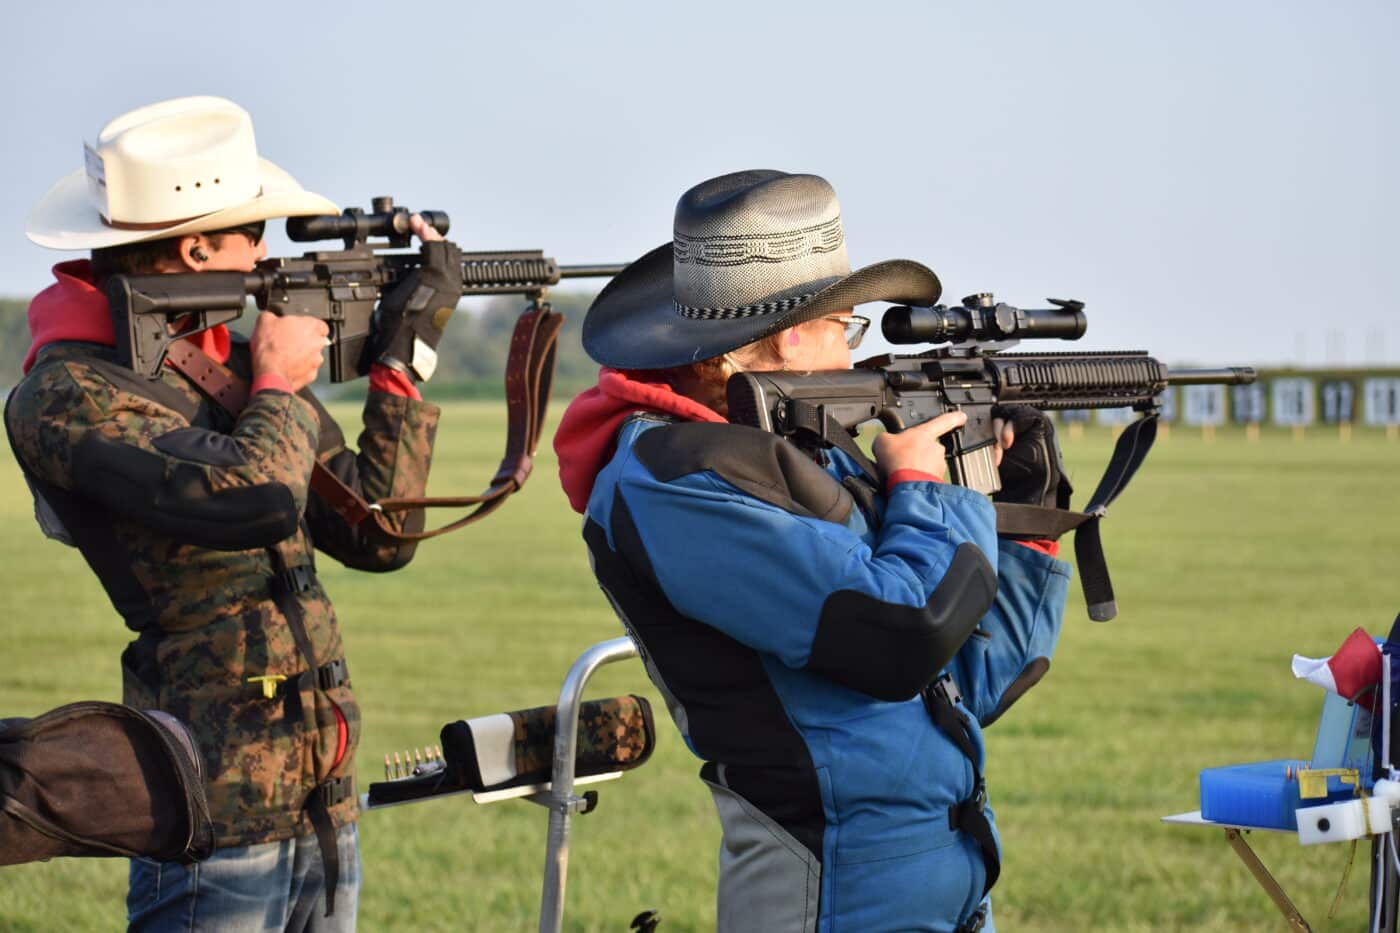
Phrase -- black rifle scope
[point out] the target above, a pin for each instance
(982, 318)
(354, 225)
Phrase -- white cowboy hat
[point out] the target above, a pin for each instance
(751, 254)
(181, 166)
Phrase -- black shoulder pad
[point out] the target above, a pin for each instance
(763, 465)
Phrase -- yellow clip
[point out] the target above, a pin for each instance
(269, 684)
(1313, 783)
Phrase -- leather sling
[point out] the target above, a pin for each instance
(529, 372)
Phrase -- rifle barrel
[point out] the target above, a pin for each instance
(1229, 375)
(595, 271)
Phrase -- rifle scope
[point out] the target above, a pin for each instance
(354, 225)
(982, 318)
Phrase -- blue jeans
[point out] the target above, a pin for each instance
(277, 886)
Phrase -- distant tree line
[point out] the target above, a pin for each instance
(471, 359)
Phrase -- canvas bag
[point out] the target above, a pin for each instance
(100, 779)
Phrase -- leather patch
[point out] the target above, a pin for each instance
(761, 464)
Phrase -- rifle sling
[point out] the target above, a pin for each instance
(529, 372)
(1033, 521)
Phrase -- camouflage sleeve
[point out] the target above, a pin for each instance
(245, 489)
(395, 452)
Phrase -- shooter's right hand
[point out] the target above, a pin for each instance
(917, 448)
(290, 348)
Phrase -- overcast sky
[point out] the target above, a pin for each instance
(1217, 180)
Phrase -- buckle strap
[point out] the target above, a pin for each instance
(965, 814)
(333, 674)
(974, 923)
(945, 690)
(298, 579)
(335, 790)
(970, 815)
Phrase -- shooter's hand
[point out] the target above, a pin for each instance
(917, 448)
(291, 348)
(1032, 469)
(423, 230)
(411, 317)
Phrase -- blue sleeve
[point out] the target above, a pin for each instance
(876, 616)
(1010, 651)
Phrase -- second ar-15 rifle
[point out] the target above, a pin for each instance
(972, 374)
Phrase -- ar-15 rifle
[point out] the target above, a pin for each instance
(341, 287)
(972, 374)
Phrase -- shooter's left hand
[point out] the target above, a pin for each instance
(1028, 455)
(411, 318)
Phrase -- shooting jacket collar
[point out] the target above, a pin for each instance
(752, 253)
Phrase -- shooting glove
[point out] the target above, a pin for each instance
(411, 317)
(1032, 469)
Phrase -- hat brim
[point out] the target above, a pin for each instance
(633, 323)
(65, 218)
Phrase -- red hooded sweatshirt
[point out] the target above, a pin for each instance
(587, 435)
(73, 309)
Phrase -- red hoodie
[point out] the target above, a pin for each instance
(73, 309)
(587, 435)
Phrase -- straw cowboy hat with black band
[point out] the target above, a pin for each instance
(182, 166)
(753, 253)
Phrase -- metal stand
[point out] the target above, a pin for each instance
(1383, 871)
(1266, 881)
(558, 794)
(561, 800)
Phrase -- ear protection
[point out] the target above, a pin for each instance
(199, 255)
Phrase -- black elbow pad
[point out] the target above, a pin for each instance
(891, 652)
(131, 482)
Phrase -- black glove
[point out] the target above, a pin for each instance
(411, 317)
(1032, 469)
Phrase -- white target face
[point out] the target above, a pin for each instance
(1294, 404)
(1382, 401)
(1247, 403)
(1203, 406)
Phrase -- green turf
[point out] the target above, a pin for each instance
(1228, 556)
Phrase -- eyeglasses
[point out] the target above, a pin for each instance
(254, 231)
(855, 326)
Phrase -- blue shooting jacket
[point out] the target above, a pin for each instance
(790, 614)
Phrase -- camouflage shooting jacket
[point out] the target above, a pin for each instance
(190, 519)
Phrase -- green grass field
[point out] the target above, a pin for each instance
(1228, 556)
